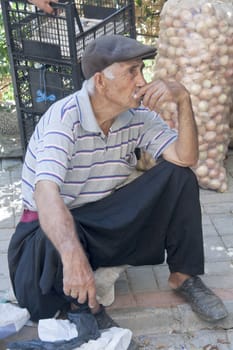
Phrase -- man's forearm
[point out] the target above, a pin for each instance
(187, 143)
(55, 219)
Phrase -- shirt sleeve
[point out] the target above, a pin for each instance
(54, 152)
(155, 135)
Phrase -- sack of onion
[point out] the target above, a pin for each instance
(195, 47)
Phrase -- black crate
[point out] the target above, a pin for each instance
(45, 50)
(39, 85)
(62, 37)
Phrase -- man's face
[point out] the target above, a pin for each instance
(128, 78)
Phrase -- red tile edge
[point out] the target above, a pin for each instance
(159, 299)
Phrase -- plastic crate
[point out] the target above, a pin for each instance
(63, 37)
(39, 85)
(45, 50)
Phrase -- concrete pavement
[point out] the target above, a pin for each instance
(144, 303)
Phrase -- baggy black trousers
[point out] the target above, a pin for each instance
(156, 213)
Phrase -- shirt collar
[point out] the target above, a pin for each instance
(87, 117)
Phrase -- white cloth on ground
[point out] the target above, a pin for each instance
(114, 338)
(52, 330)
(12, 319)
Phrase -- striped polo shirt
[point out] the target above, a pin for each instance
(69, 148)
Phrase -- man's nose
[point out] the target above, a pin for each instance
(140, 80)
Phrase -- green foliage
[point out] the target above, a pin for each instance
(4, 62)
(6, 88)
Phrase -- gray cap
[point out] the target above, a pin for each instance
(108, 49)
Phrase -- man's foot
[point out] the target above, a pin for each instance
(202, 300)
(104, 321)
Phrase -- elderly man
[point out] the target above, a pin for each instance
(78, 216)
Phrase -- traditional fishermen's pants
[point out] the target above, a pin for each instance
(156, 213)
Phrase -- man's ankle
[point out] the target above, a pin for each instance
(176, 279)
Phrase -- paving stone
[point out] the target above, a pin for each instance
(230, 337)
(122, 285)
(219, 268)
(228, 239)
(162, 274)
(206, 220)
(5, 284)
(214, 249)
(6, 217)
(220, 281)
(199, 340)
(5, 200)
(4, 246)
(223, 223)
(3, 264)
(141, 278)
(214, 197)
(5, 234)
(5, 179)
(220, 208)
(209, 230)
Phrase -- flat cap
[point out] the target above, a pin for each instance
(108, 49)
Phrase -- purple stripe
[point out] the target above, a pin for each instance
(28, 184)
(86, 151)
(50, 160)
(159, 151)
(50, 174)
(123, 143)
(63, 115)
(88, 136)
(128, 127)
(75, 124)
(155, 138)
(96, 193)
(61, 134)
(56, 148)
(63, 195)
(79, 109)
(50, 115)
(64, 109)
(100, 163)
(32, 154)
(28, 203)
(29, 168)
(99, 178)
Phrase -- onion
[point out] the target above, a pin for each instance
(202, 170)
(222, 98)
(207, 84)
(195, 89)
(211, 125)
(203, 106)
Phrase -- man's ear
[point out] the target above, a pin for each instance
(100, 82)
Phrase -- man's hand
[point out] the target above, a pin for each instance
(156, 93)
(78, 277)
(58, 224)
(44, 5)
(183, 151)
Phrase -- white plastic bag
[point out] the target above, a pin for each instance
(12, 319)
(52, 330)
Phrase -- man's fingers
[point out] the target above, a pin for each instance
(82, 296)
(92, 302)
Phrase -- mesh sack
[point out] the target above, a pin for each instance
(195, 47)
